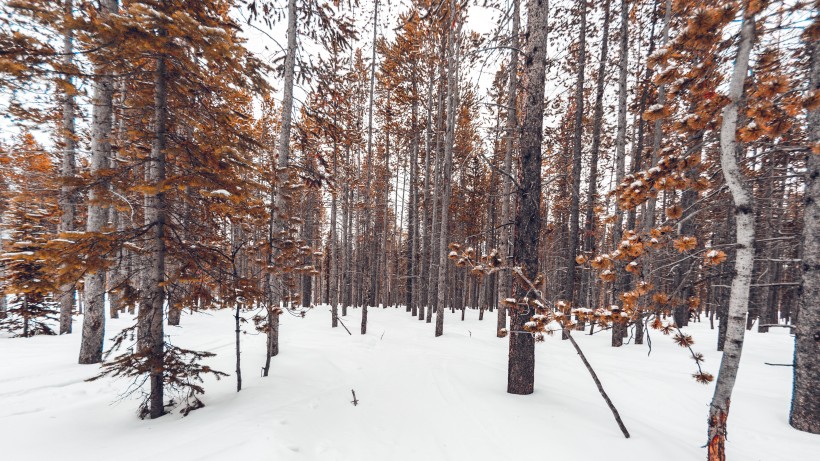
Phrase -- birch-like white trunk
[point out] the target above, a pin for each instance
(744, 259)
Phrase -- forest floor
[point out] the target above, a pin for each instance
(420, 397)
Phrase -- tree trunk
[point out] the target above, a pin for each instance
(432, 284)
(370, 299)
(426, 218)
(151, 336)
(592, 192)
(510, 132)
(521, 369)
(657, 131)
(620, 145)
(68, 169)
(91, 347)
(805, 409)
(282, 170)
(744, 258)
(333, 282)
(452, 102)
(568, 288)
(412, 220)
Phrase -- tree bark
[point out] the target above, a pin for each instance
(805, 408)
(426, 218)
(620, 146)
(91, 347)
(412, 219)
(597, 122)
(511, 132)
(282, 171)
(452, 102)
(521, 369)
(744, 259)
(151, 337)
(657, 131)
(68, 168)
(369, 167)
(568, 288)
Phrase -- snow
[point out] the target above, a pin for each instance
(220, 192)
(420, 397)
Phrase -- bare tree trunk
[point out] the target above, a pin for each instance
(307, 231)
(426, 218)
(510, 134)
(68, 169)
(432, 284)
(657, 134)
(452, 102)
(568, 289)
(382, 273)
(744, 259)
(91, 347)
(333, 283)
(597, 121)
(620, 143)
(521, 369)
(805, 409)
(369, 172)
(282, 169)
(412, 219)
(151, 337)
(349, 237)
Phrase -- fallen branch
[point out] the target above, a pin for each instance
(355, 401)
(780, 364)
(343, 324)
(567, 333)
(598, 383)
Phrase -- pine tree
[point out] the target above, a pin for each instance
(28, 225)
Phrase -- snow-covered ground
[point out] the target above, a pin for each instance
(421, 398)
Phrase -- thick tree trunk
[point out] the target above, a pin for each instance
(91, 347)
(805, 409)
(521, 370)
(744, 258)
(68, 169)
